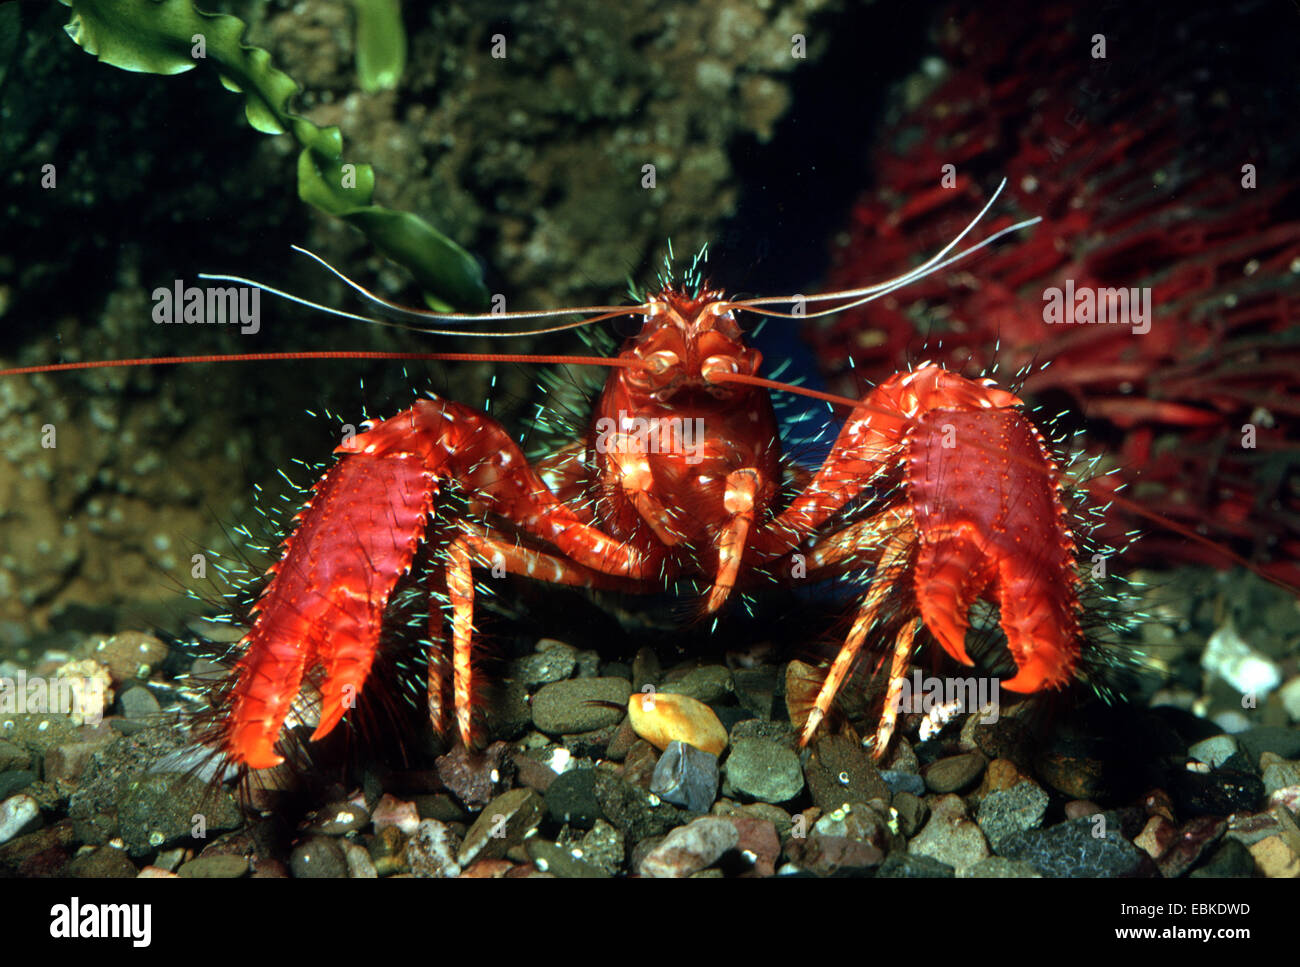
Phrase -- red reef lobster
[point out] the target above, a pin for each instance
(680, 476)
(937, 485)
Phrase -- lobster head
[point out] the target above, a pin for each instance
(686, 341)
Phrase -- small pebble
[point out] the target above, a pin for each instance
(1290, 696)
(834, 856)
(131, 654)
(565, 862)
(1278, 773)
(1007, 811)
(1283, 742)
(503, 823)
(639, 813)
(686, 776)
(704, 684)
(360, 865)
(950, 837)
(391, 811)
(755, 688)
(764, 770)
(338, 818)
(571, 706)
(1232, 658)
(1214, 751)
(1194, 840)
(101, 863)
(138, 704)
(690, 848)
(903, 782)
(13, 757)
(431, 852)
(603, 847)
(912, 812)
(318, 858)
(1156, 836)
(1072, 849)
(476, 777)
(1231, 858)
(1079, 808)
(571, 798)
(1275, 858)
(899, 866)
(15, 781)
(838, 771)
(759, 844)
(1000, 868)
(954, 773)
(553, 661)
(854, 821)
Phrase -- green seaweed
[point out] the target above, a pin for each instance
(381, 44)
(172, 36)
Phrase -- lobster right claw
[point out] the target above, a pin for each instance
(355, 538)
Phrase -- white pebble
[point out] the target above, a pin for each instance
(1230, 657)
(16, 813)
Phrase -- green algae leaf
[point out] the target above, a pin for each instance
(447, 273)
(171, 37)
(381, 44)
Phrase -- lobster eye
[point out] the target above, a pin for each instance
(717, 364)
(661, 362)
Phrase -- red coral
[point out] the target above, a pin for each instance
(1136, 166)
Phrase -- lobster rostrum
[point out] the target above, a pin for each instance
(681, 476)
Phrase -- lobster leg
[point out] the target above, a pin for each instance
(436, 674)
(479, 548)
(742, 486)
(894, 691)
(460, 588)
(892, 559)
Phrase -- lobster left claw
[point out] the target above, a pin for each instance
(981, 505)
(991, 525)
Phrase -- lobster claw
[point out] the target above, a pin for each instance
(953, 574)
(1006, 540)
(355, 539)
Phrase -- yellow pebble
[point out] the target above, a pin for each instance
(661, 718)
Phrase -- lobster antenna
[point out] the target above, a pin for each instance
(924, 266)
(607, 312)
(883, 288)
(935, 263)
(460, 316)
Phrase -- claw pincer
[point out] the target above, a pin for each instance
(990, 524)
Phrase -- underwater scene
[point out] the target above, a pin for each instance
(573, 439)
